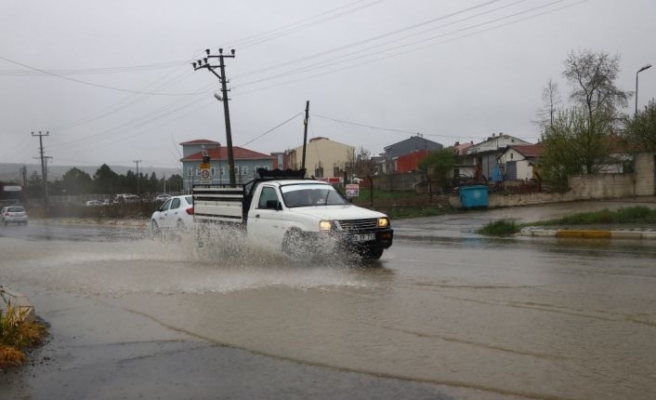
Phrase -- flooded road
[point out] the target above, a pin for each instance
(464, 318)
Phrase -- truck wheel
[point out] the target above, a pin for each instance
(293, 244)
(373, 254)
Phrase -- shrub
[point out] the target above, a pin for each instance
(499, 228)
(16, 335)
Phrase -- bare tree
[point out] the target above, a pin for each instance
(363, 164)
(552, 104)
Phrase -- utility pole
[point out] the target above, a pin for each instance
(24, 174)
(203, 63)
(137, 162)
(305, 122)
(44, 169)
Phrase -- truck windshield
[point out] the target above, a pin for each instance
(311, 194)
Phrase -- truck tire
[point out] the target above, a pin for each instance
(293, 244)
(372, 254)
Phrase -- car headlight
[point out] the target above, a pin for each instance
(383, 222)
(325, 225)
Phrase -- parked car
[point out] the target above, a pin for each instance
(176, 213)
(93, 203)
(126, 198)
(162, 197)
(13, 215)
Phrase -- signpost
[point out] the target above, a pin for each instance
(352, 190)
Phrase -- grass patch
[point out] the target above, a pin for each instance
(17, 335)
(629, 215)
(499, 228)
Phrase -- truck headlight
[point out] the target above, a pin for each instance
(383, 222)
(325, 225)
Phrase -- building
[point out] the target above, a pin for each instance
(246, 163)
(403, 151)
(324, 158)
(484, 155)
(517, 161)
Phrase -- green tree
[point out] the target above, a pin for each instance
(34, 187)
(640, 129)
(579, 139)
(592, 77)
(571, 147)
(175, 183)
(105, 181)
(439, 166)
(76, 181)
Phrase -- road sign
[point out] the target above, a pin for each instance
(352, 190)
(205, 171)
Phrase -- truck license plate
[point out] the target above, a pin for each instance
(363, 237)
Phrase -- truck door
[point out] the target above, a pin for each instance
(265, 224)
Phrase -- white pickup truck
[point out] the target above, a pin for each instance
(283, 211)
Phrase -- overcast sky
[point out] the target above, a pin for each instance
(112, 80)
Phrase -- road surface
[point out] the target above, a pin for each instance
(438, 317)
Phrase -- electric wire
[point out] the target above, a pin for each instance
(93, 84)
(406, 51)
(358, 43)
(359, 54)
(271, 130)
(310, 22)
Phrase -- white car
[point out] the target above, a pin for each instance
(13, 215)
(176, 213)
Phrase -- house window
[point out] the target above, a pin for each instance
(197, 172)
(244, 170)
(213, 171)
(222, 171)
(190, 171)
(511, 155)
(236, 170)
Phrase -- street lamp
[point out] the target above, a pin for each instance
(636, 94)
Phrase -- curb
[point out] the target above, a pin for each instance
(589, 233)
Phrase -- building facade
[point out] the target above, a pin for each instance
(404, 156)
(324, 158)
(246, 163)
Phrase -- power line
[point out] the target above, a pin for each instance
(364, 125)
(271, 130)
(318, 66)
(92, 71)
(310, 22)
(394, 32)
(94, 84)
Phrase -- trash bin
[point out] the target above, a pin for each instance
(473, 196)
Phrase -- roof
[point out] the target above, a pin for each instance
(527, 150)
(495, 144)
(200, 141)
(410, 145)
(239, 153)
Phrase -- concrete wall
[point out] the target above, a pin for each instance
(644, 176)
(601, 186)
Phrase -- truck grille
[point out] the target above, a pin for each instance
(357, 224)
